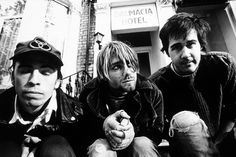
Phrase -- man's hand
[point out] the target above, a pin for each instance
(113, 121)
(119, 130)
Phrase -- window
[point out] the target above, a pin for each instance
(56, 22)
(10, 19)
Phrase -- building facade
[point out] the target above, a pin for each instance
(70, 25)
(138, 23)
(57, 21)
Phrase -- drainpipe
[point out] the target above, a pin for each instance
(88, 36)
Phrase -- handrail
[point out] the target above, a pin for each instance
(84, 71)
(80, 82)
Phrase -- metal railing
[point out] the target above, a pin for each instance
(82, 77)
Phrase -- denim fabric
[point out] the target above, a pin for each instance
(190, 136)
(144, 147)
(140, 147)
(101, 148)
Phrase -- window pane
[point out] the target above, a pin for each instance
(12, 7)
(8, 36)
(56, 24)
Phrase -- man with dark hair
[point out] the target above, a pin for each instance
(199, 89)
(122, 109)
(37, 119)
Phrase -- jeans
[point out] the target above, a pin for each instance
(189, 136)
(53, 146)
(140, 147)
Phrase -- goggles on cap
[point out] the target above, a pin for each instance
(40, 44)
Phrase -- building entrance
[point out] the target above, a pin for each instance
(141, 43)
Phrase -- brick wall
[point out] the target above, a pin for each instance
(85, 57)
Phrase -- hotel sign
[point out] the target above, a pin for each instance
(134, 18)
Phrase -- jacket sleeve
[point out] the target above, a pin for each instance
(229, 90)
(91, 123)
(158, 122)
(153, 126)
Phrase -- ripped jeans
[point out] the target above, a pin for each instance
(189, 136)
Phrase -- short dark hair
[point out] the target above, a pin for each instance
(179, 25)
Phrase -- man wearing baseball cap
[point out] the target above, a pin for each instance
(37, 119)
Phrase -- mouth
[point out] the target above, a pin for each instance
(127, 80)
(32, 94)
(187, 62)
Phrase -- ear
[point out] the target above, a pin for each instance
(58, 83)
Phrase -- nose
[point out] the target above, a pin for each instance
(128, 70)
(186, 52)
(34, 78)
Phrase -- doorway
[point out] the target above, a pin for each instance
(141, 43)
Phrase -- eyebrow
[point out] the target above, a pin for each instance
(29, 65)
(118, 62)
(175, 44)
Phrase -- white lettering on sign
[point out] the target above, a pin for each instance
(134, 17)
(135, 20)
(140, 12)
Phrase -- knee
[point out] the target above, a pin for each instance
(55, 146)
(143, 146)
(10, 149)
(139, 142)
(101, 148)
(182, 121)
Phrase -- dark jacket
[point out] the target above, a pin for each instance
(64, 122)
(210, 90)
(144, 105)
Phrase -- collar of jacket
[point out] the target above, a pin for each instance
(68, 108)
(97, 88)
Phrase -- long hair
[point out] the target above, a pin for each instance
(178, 27)
(115, 49)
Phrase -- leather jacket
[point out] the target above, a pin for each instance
(64, 122)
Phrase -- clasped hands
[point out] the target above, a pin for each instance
(119, 130)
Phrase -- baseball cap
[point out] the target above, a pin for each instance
(38, 44)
